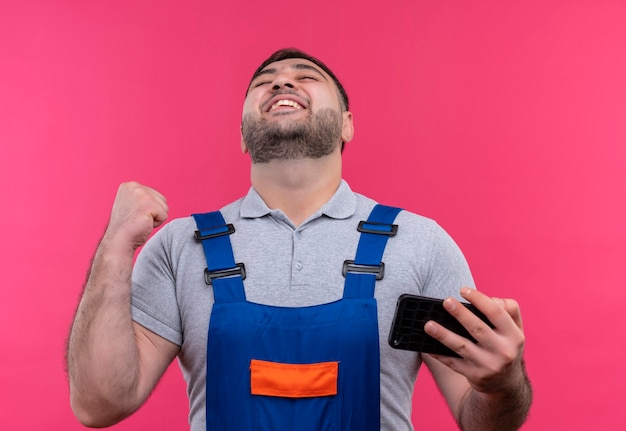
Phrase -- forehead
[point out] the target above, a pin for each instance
(292, 64)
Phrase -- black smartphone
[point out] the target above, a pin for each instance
(412, 313)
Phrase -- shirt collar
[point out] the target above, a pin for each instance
(342, 205)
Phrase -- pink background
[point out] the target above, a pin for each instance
(504, 121)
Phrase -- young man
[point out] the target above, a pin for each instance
(293, 341)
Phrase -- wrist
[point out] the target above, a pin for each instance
(111, 269)
(118, 248)
(504, 408)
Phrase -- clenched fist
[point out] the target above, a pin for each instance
(137, 210)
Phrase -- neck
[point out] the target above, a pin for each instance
(297, 187)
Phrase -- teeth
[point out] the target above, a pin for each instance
(285, 103)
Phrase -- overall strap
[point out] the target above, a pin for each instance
(367, 267)
(221, 272)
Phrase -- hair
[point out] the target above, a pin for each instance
(286, 53)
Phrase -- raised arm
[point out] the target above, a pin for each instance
(114, 363)
(488, 388)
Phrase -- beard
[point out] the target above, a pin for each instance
(313, 137)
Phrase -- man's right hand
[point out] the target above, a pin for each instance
(113, 362)
(137, 210)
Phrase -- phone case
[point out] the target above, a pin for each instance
(412, 313)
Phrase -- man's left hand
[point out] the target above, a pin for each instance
(494, 364)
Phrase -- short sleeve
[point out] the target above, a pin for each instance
(153, 294)
(448, 268)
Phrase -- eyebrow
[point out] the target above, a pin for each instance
(297, 66)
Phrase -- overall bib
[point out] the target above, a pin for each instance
(311, 368)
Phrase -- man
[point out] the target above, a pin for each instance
(303, 345)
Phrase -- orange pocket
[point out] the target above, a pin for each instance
(293, 380)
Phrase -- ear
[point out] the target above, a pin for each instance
(347, 128)
(244, 147)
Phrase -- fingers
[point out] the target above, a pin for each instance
(503, 337)
(502, 313)
(457, 343)
(137, 199)
(137, 210)
(464, 347)
(512, 308)
(157, 205)
(489, 362)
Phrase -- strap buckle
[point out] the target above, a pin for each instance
(215, 231)
(239, 269)
(350, 266)
(378, 228)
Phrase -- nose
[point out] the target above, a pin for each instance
(282, 80)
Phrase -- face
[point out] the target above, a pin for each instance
(292, 111)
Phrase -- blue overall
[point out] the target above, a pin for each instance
(259, 355)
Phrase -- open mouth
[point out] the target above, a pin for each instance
(285, 103)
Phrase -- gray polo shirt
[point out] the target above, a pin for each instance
(293, 267)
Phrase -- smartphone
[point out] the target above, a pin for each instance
(412, 313)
